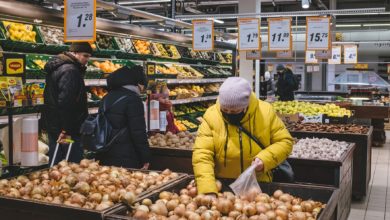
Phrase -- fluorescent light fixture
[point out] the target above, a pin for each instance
(305, 4)
(217, 20)
(376, 25)
(348, 25)
(142, 2)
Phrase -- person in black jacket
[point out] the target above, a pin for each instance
(285, 85)
(66, 100)
(131, 148)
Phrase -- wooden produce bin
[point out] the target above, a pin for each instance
(328, 195)
(177, 160)
(361, 156)
(21, 209)
(325, 172)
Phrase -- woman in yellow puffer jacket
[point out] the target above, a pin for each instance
(221, 150)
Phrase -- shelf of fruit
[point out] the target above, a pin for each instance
(310, 109)
(191, 100)
(185, 125)
(193, 110)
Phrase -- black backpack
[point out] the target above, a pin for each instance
(96, 130)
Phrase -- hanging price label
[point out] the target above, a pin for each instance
(79, 20)
(249, 34)
(323, 54)
(284, 54)
(202, 35)
(253, 55)
(279, 34)
(336, 55)
(318, 33)
(350, 54)
(310, 57)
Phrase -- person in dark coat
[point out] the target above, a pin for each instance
(66, 100)
(285, 84)
(131, 148)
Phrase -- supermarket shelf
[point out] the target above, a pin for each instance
(190, 81)
(191, 100)
(88, 82)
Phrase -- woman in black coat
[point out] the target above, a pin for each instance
(130, 148)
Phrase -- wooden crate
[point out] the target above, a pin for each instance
(336, 173)
(328, 195)
(361, 156)
(177, 160)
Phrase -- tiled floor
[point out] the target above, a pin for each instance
(376, 206)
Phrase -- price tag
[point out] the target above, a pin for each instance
(249, 34)
(336, 55)
(279, 34)
(318, 33)
(284, 54)
(253, 55)
(310, 57)
(323, 54)
(202, 35)
(79, 20)
(350, 54)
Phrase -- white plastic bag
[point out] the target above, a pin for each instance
(246, 184)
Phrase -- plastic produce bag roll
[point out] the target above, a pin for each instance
(29, 155)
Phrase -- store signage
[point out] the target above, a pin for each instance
(249, 34)
(318, 33)
(350, 54)
(310, 57)
(202, 35)
(79, 20)
(14, 64)
(323, 54)
(253, 55)
(284, 54)
(150, 68)
(336, 55)
(311, 119)
(279, 34)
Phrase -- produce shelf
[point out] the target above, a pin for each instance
(192, 81)
(88, 82)
(326, 195)
(191, 100)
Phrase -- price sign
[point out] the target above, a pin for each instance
(318, 33)
(336, 55)
(79, 20)
(279, 34)
(284, 54)
(253, 55)
(310, 57)
(249, 34)
(350, 54)
(202, 35)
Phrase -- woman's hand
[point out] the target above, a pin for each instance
(259, 164)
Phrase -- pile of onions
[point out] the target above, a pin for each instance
(225, 206)
(85, 185)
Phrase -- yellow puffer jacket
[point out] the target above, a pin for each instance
(217, 150)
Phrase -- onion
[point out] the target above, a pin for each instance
(83, 177)
(84, 163)
(143, 208)
(192, 206)
(224, 206)
(128, 198)
(277, 194)
(298, 216)
(55, 175)
(141, 215)
(234, 214)
(238, 206)
(295, 208)
(33, 176)
(306, 206)
(172, 204)
(219, 185)
(166, 172)
(206, 200)
(262, 197)
(14, 193)
(93, 166)
(38, 190)
(261, 208)
(208, 215)
(252, 193)
(65, 170)
(185, 199)
(263, 217)
(271, 215)
(165, 195)
(77, 198)
(180, 210)
(283, 214)
(22, 179)
(37, 197)
(104, 205)
(242, 217)
(193, 192)
(95, 197)
(63, 163)
(82, 187)
(159, 209)
(147, 202)
(285, 197)
(249, 209)
(194, 216)
(57, 200)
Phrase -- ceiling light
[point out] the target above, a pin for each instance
(142, 2)
(348, 25)
(217, 21)
(305, 4)
(376, 25)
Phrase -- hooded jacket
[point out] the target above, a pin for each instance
(131, 148)
(65, 95)
(222, 151)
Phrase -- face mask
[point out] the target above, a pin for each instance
(234, 119)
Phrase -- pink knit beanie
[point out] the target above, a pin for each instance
(234, 93)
